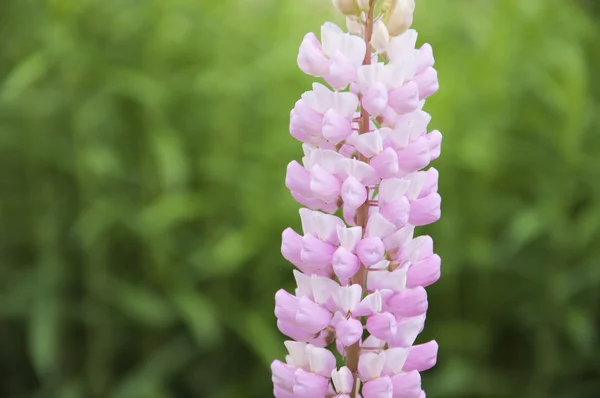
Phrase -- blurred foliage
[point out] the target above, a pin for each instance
(143, 147)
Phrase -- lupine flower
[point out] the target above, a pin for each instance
(361, 270)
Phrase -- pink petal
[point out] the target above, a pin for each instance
(421, 357)
(426, 210)
(309, 385)
(427, 82)
(375, 99)
(424, 272)
(311, 59)
(408, 303)
(405, 99)
(407, 385)
(323, 185)
(385, 163)
(370, 250)
(348, 331)
(378, 388)
(336, 128)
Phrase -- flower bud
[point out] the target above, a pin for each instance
(355, 25)
(398, 15)
(381, 37)
(347, 7)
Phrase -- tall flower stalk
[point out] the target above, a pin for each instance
(361, 273)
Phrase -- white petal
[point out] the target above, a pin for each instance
(392, 189)
(323, 288)
(395, 359)
(399, 238)
(353, 47)
(344, 104)
(395, 280)
(330, 34)
(326, 227)
(369, 144)
(349, 237)
(297, 351)
(304, 283)
(379, 226)
(307, 217)
(400, 137)
(364, 173)
(402, 45)
(415, 249)
(320, 360)
(417, 179)
(370, 365)
(343, 380)
(409, 328)
(373, 343)
(347, 297)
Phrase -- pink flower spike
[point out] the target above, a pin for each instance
(361, 274)
(378, 388)
(311, 59)
(309, 385)
(407, 385)
(336, 128)
(421, 357)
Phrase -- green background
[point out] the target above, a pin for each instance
(143, 147)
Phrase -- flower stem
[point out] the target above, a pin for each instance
(353, 352)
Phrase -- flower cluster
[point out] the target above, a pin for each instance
(361, 271)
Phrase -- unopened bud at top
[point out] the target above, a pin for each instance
(398, 15)
(355, 25)
(351, 7)
(381, 38)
